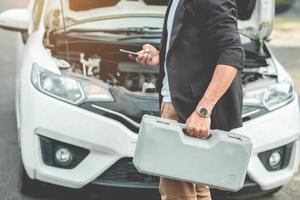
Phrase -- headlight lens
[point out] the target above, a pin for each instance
(271, 97)
(67, 88)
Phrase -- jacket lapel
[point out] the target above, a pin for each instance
(165, 31)
(178, 22)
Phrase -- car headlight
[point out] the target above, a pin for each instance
(67, 88)
(271, 97)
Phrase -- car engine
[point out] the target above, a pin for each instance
(125, 73)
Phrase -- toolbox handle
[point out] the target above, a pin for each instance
(184, 129)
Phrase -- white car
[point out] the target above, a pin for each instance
(79, 100)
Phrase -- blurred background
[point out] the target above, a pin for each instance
(286, 38)
(285, 44)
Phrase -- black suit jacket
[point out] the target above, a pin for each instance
(204, 34)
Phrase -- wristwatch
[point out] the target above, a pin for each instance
(203, 111)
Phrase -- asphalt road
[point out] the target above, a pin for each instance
(9, 157)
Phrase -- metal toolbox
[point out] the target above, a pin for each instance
(163, 149)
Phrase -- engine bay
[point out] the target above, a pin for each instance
(111, 66)
(105, 61)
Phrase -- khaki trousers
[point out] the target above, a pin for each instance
(178, 190)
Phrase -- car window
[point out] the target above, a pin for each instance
(37, 13)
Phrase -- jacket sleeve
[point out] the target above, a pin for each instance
(222, 29)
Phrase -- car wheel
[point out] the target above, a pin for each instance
(29, 187)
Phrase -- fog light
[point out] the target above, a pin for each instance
(63, 156)
(278, 158)
(275, 159)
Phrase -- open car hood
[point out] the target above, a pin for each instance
(256, 17)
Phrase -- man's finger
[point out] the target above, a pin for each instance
(149, 59)
(139, 58)
(193, 132)
(143, 60)
(197, 132)
(204, 132)
(147, 47)
(189, 130)
(132, 57)
(141, 54)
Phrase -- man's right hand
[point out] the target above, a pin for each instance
(148, 56)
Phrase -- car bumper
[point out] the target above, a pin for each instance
(108, 141)
(270, 131)
(250, 190)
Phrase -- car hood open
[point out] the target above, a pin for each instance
(255, 16)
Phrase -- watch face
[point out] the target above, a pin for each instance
(204, 112)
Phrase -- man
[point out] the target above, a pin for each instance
(200, 60)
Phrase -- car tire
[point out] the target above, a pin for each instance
(29, 187)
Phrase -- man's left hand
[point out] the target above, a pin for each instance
(198, 126)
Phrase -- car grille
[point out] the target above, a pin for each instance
(124, 174)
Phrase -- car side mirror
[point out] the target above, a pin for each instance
(15, 20)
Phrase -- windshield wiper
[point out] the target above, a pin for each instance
(151, 36)
(80, 36)
(129, 30)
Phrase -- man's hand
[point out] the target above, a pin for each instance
(148, 56)
(198, 126)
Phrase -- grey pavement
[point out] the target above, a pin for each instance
(9, 157)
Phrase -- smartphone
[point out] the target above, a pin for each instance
(130, 52)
